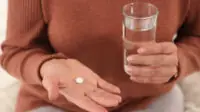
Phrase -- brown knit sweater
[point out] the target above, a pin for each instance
(90, 31)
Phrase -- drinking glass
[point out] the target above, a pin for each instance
(139, 26)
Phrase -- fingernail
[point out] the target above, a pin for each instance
(129, 58)
(120, 100)
(133, 78)
(118, 90)
(127, 68)
(141, 50)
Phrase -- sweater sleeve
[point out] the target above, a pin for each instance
(26, 46)
(188, 41)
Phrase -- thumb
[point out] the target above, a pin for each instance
(51, 83)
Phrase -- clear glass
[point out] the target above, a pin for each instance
(139, 26)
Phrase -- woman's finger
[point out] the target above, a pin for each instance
(148, 71)
(99, 95)
(150, 80)
(51, 84)
(108, 86)
(104, 98)
(158, 48)
(153, 60)
(160, 80)
(81, 101)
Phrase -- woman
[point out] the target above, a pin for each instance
(68, 56)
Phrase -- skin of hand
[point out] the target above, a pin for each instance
(154, 63)
(93, 95)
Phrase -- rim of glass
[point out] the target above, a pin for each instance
(133, 17)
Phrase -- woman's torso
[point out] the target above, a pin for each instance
(90, 31)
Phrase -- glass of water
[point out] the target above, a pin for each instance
(139, 26)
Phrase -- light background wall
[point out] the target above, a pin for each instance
(3, 17)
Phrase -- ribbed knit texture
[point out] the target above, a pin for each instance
(90, 31)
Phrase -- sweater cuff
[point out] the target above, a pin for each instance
(31, 73)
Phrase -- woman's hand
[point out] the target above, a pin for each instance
(92, 95)
(155, 63)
